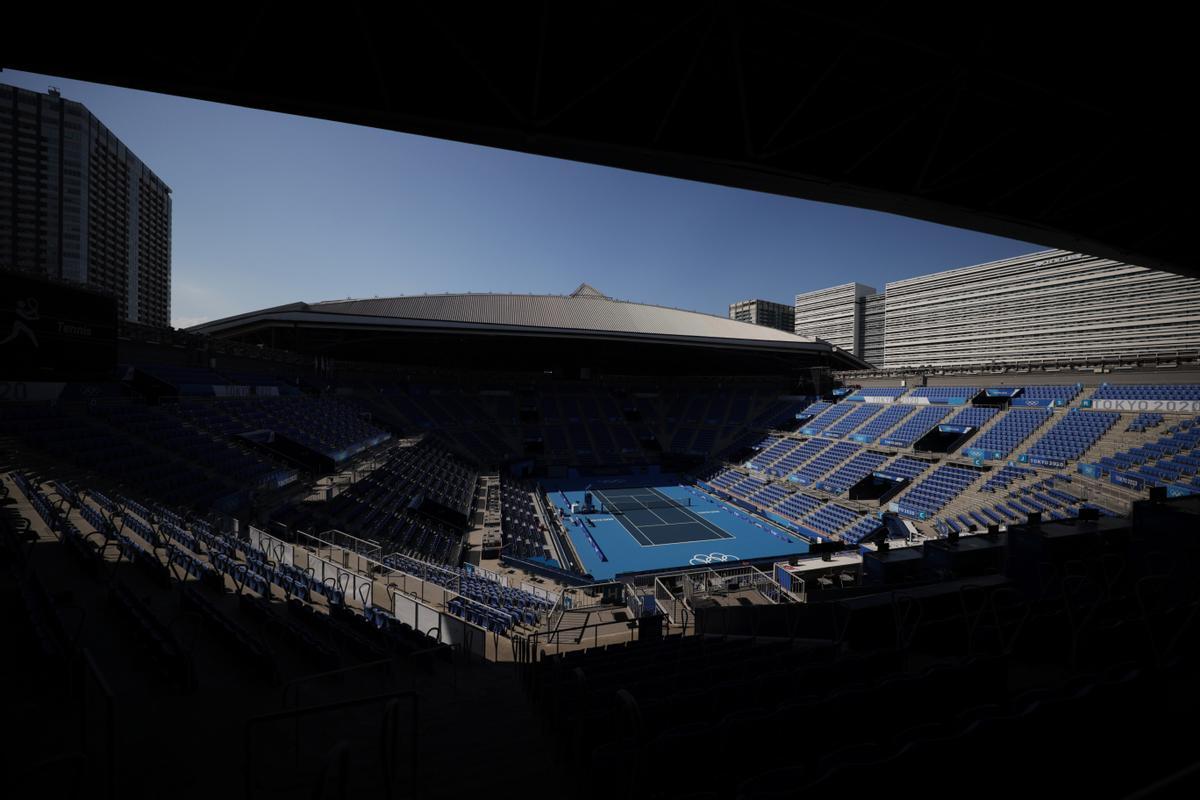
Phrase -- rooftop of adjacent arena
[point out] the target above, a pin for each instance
(584, 309)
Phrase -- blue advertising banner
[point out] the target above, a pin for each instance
(1091, 470)
(1035, 402)
(781, 521)
(1043, 461)
(1004, 391)
(979, 452)
(892, 442)
(862, 437)
(889, 477)
(809, 431)
(856, 398)
(1127, 480)
(842, 391)
(955, 428)
(1174, 490)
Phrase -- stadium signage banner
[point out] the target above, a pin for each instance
(870, 399)
(1091, 470)
(978, 452)
(1127, 480)
(744, 505)
(1043, 461)
(893, 443)
(909, 511)
(862, 437)
(955, 428)
(1175, 490)
(52, 332)
(782, 522)
(1003, 392)
(887, 476)
(1169, 406)
(934, 401)
(1036, 402)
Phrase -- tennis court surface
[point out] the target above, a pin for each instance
(637, 527)
(652, 518)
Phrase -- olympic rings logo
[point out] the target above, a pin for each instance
(710, 558)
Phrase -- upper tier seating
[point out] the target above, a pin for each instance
(933, 492)
(1065, 393)
(885, 421)
(916, 426)
(828, 417)
(1010, 431)
(1077, 431)
(1114, 391)
(944, 392)
(850, 422)
(975, 416)
(880, 391)
(845, 476)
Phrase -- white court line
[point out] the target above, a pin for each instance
(721, 532)
(636, 534)
(705, 524)
(647, 508)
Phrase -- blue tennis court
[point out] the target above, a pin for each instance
(634, 527)
(648, 516)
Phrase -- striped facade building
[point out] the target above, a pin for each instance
(1051, 306)
(835, 315)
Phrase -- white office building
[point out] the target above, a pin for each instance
(835, 315)
(1049, 306)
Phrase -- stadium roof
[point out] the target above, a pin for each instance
(1061, 125)
(584, 312)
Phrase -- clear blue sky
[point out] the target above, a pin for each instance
(271, 208)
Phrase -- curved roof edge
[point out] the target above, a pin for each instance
(586, 312)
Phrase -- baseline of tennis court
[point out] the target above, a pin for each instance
(648, 516)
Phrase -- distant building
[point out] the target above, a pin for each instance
(835, 315)
(764, 312)
(872, 318)
(76, 204)
(1045, 307)
(1053, 305)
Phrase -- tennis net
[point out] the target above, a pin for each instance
(639, 503)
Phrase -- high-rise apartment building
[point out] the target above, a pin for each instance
(76, 204)
(835, 315)
(764, 312)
